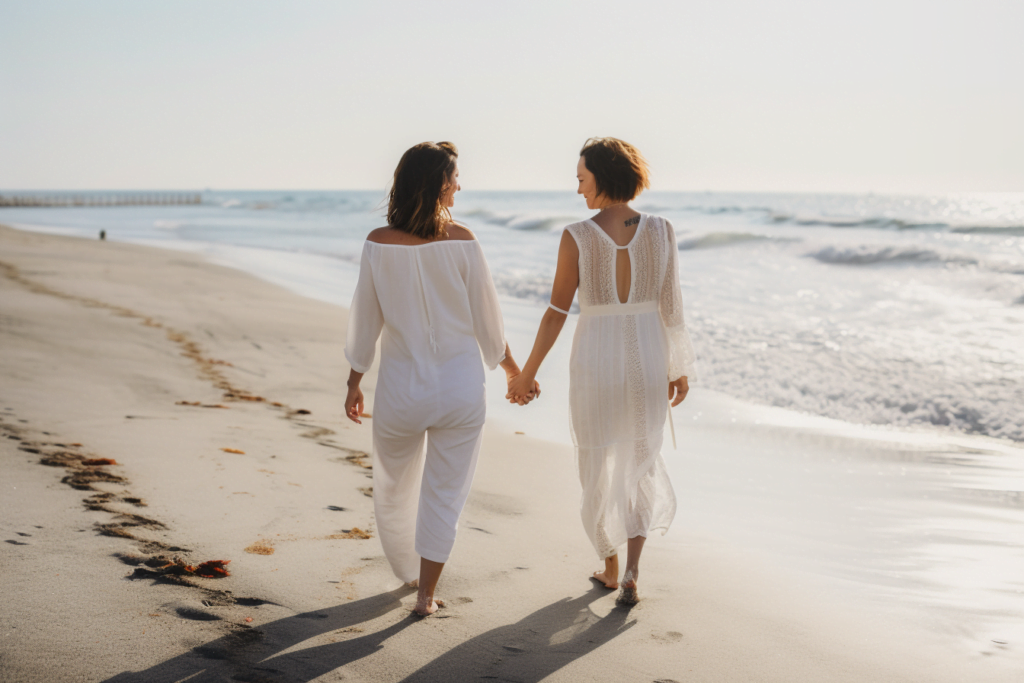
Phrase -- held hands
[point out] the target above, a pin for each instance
(522, 388)
(677, 390)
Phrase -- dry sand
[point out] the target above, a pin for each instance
(100, 343)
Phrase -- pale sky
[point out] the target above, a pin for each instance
(833, 95)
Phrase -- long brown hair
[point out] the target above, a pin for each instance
(414, 202)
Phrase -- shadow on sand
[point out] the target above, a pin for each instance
(251, 655)
(532, 648)
(528, 650)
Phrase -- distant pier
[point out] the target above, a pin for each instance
(101, 199)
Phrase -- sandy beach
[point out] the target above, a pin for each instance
(217, 400)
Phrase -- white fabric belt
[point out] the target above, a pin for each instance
(620, 309)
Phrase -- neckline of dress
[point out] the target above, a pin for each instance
(413, 246)
(641, 226)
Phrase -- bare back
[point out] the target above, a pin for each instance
(621, 225)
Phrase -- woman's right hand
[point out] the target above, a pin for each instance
(677, 390)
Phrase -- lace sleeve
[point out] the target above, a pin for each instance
(365, 318)
(681, 358)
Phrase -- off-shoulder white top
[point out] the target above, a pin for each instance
(436, 306)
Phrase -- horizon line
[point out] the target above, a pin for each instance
(534, 191)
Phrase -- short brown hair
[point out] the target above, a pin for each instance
(619, 169)
(422, 175)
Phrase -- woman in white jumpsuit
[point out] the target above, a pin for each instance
(631, 343)
(424, 284)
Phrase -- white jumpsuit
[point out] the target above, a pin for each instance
(438, 310)
(623, 356)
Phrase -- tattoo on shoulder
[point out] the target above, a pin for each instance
(632, 221)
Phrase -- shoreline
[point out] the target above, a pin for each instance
(101, 363)
(254, 262)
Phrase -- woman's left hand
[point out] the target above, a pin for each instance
(354, 404)
(680, 388)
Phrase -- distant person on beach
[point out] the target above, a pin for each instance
(424, 282)
(631, 344)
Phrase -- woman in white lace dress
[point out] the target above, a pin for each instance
(424, 284)
(631, 355)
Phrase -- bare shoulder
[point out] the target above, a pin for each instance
(459, 232)
(390, 235)
(381, 235)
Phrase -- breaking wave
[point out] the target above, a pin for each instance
(1009, 230)
(866, 255)
(524, 222)
(872, 255)
(725, 239)
(885, 223)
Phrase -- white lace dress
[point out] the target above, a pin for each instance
(623, 356)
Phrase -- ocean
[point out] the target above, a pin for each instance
(871, 309)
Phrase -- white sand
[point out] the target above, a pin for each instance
(92, 337)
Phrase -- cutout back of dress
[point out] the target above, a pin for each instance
(618, 273)
(623, 262)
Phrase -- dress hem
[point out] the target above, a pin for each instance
(650, 532)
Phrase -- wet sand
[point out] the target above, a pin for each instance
(219, 399)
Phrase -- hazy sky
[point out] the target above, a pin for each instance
(901, 95)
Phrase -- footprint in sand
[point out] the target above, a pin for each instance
(355, 532)
(260, 547)
(189, 610)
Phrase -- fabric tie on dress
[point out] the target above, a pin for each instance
(672, 426)
(620, 309)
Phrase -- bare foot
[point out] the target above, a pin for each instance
(425, 610)
(603, 578)
(628, 595)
